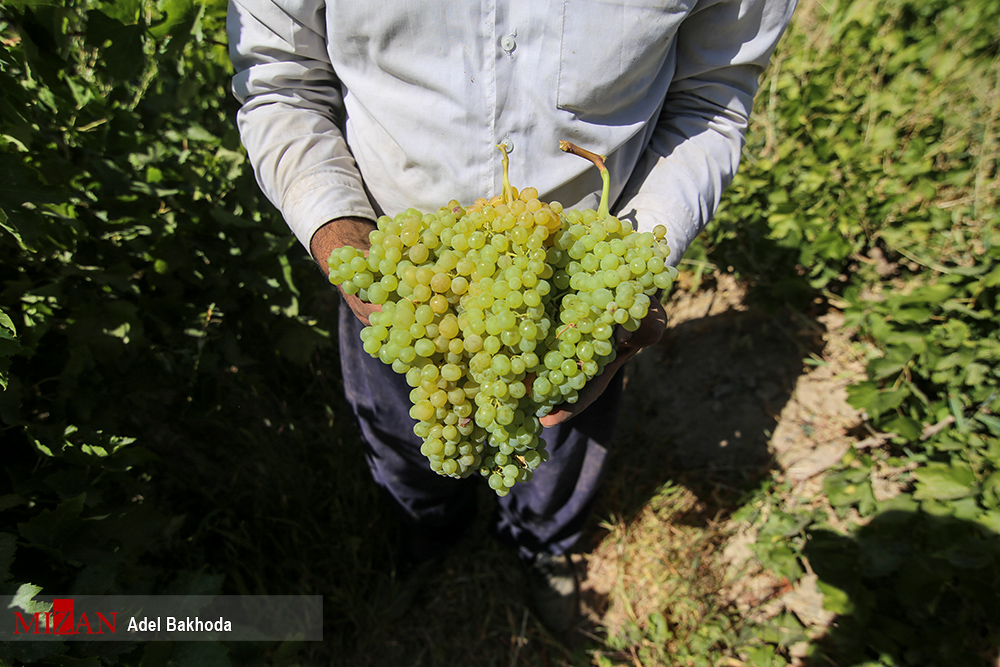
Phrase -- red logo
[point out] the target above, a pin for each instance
(63, 621)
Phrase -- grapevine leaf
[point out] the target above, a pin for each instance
(991, 519)
(125, 11)
(942, 481)
(50, 527)
(120, 44)
(24, 599)
(835, 599)
(957, 411)
(5, 224)
(991, 423)
(904, 427)
(912, 315)
(868, 397)
(7, 323)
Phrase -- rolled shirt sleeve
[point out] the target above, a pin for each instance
(723, 48)
(288, 120)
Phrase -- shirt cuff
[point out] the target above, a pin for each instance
(317, 198)
(646, 211)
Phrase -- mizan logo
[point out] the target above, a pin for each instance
(62, 621)
(89, 617)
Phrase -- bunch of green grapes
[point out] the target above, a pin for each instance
(496, 313)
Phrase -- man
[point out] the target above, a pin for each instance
(352, 110)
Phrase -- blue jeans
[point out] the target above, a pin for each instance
(546, 515)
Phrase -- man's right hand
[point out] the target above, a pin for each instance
(336, 234)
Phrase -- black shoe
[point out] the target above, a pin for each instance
(406, 583)
(555, 591)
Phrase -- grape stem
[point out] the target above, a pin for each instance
(508, 191)
(598, 160)
(566, 328)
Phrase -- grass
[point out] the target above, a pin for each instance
(663, 584)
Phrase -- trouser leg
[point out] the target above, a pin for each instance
(433, 509)
(547, 514)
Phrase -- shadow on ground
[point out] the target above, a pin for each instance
(913, 590)
(698, 416)
(700, 407)
(699, 410)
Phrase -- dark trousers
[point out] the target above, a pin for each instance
(545, 515)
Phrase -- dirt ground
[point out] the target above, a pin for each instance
(732, 395)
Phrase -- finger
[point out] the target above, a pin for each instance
(588, 394)
(650, 330)
(361, 309)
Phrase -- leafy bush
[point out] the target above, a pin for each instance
(871, 178)
(145, 282)
(873, 129)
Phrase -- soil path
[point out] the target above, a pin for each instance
(731, 395)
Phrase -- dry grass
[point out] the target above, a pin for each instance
(658, 574)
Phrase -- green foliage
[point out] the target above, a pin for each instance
(144, 281)
(909, 589)
(870, 177)
(9, 346)
(873, 129)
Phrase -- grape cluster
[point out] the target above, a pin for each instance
(497, 313)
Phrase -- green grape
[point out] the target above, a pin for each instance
(424, 348)
(496, 313)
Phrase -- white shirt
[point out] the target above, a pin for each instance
(355, 109)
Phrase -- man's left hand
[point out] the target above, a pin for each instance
(628, 344)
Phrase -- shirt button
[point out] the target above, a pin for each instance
(507, 144)
(507, 43)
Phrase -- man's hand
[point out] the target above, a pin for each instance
(336, 234)
(628, 344)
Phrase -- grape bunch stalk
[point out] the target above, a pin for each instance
(498, 312)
